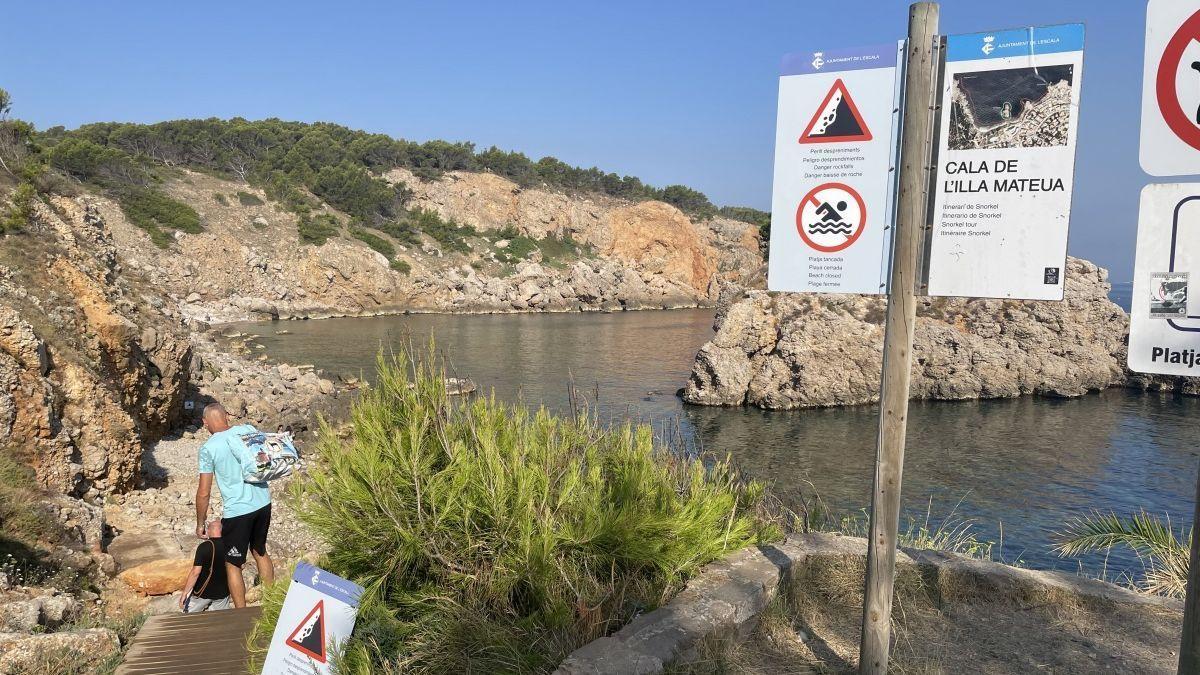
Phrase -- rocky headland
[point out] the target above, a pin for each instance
(786, 351)
(582, 252)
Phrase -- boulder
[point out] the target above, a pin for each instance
(58, 609)
(29, 653)
(21, 615)
(158, 577)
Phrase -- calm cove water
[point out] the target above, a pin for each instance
(1017, 468)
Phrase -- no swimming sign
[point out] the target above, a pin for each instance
(831, 206)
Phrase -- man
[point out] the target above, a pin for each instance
(207, 585)
(247, 513)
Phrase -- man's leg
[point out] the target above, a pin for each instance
(236, 533)
(258, 545)
(237, 585)
(266, 570)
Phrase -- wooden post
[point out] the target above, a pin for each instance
(1189, 645)
(916, 142)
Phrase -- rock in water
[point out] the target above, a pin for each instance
(784, 351)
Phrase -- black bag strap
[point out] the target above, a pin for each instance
(212, 568)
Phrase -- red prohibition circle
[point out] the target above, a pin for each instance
(862, 210)
(1164, 85)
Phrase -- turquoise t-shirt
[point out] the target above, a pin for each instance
(225, 455)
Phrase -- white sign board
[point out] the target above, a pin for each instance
(318, 613)
(1006, 163)
(1170, 143)
(1164, 324)
(831, 207)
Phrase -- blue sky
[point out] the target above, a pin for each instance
(672, 92)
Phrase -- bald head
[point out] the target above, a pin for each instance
(215, 417)
(214, 529)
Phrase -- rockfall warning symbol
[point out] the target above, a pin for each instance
(309, 636)
(837, 119)
(831, 217)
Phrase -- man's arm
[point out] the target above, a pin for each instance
(203, 492)
(189, 584)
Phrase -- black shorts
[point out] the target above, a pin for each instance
(244, 533)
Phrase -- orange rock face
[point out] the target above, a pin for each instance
(660, 239)
(159, 577)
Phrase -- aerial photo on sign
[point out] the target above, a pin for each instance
(1005, 163)
(831, 204)
(1013, 108)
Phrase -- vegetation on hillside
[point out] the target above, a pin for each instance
(495, 539)
(300, 166)
(317, 228)
(746, 214)
(554, 251)
(28, 528)
(337, 163)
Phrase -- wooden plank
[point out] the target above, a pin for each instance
(209, 643)
(898, 338)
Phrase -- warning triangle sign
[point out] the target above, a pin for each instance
(837, 120)
(309, 636)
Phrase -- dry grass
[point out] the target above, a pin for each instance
(945, 626)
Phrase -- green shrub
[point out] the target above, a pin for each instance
(495, 539)
(401, 266)
(91, 161)
(402, 232)
(448, 233)
(28, 529)
(374, 241)
(16, 217)
(21, 516)
(556, 250)
(248, 199)
(317, 229)
(220, 199)
(354, 190)
(157, 213)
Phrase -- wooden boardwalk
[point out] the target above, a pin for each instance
(209, 643)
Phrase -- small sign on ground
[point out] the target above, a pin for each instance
(318, 614)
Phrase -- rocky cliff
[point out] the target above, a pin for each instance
(87, 374)
(250, 263)
(96, 362)
(783, 351)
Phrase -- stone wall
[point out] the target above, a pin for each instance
(723, 603)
